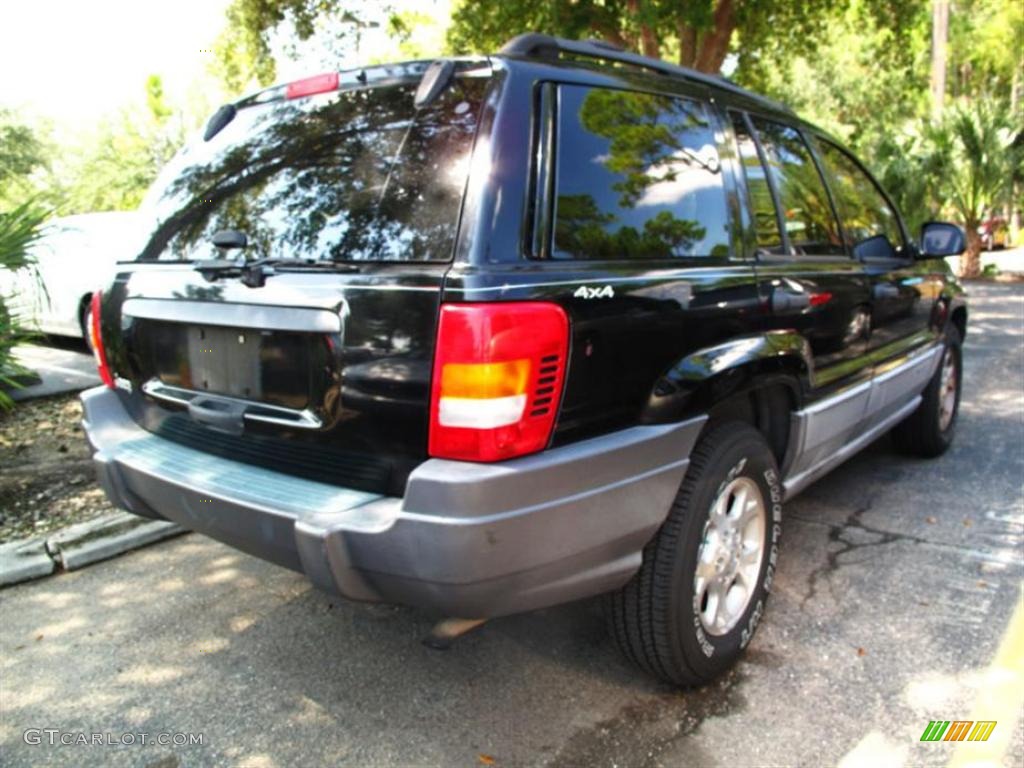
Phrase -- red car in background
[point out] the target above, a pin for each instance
(993, 233)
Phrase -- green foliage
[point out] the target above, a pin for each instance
(907, 169)
(962, 167)
(867, 77)
(986, 41)
(21, 152)
(23, 155)
(975, 159)
(245, 51)
(123, 155)
(868, 85)
(697, 34)
(20, 228)
(416, 35)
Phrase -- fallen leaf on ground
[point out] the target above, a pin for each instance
(861, 652)
(485, 759)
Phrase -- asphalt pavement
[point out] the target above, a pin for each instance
(898, 581)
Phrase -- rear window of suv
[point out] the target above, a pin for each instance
(358, 175)
(637, 177)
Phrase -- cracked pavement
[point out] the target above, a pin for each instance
(897, 580)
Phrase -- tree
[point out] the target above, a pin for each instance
(22, 155)
(124, 155)
(245, 51)
(20, 228)
(986, 39)
(867, 85)
(976, 160)
(697, 34)
(868, 77)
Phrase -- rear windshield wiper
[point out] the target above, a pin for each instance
(302, 265)
(254, 272)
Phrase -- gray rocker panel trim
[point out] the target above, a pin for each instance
(830, 431)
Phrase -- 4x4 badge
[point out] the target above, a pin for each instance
(604, 292)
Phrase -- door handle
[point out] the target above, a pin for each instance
(218, 414)
(787, 301)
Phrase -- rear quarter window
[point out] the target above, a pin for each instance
(637, 176)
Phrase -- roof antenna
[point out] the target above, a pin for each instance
(434, 81)
(220, 118)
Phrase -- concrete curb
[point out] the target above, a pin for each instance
(80, 545)
(24, 560)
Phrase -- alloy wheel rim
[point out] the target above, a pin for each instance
(730, 555)
(947, 390)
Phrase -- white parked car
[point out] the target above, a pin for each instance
(75, 257)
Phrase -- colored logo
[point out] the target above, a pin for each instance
(958, 730)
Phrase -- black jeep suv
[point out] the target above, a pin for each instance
(483, 335)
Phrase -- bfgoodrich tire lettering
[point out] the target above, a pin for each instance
(660, 619)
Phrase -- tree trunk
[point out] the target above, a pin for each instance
(632, 41)
(714, 45)
(970, 262)
(687, 45)
(940, 33)
(1015, 187)
(650, 45)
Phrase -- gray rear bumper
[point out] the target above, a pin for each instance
(468, 540)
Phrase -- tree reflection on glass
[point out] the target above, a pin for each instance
(869, 224)
(638, 177)
(356, 175)
(806, 210)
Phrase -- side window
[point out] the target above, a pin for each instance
(766, 220)
(637, 176)
(806, 210)
(869, 223)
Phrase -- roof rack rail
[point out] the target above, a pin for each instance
(533, 45)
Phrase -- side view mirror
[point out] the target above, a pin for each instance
(939, 238)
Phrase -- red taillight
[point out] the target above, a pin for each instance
(310, 85)
(498, 373)
(820, 299)
(96, 338)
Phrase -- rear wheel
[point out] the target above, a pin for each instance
(692, 608)
(929, 430)
(85, 321)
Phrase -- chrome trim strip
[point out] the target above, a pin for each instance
(258, 316)
(262, 412)
(682, 275)
(834, 400)
(910, 363)
(904, 367)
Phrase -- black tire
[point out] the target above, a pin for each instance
(656, 617)
(922, 433)
(85, 320)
